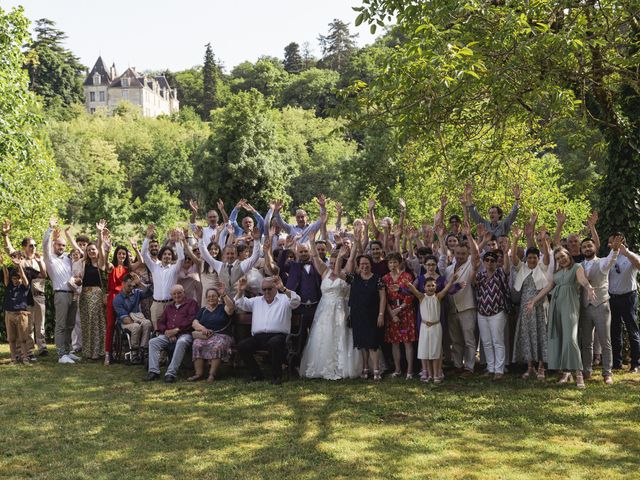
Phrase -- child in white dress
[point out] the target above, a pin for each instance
(430, 338)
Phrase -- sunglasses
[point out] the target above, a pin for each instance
(617, 268)
(32, 245)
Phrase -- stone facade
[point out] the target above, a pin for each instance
(104, 90)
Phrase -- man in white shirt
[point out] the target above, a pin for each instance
(164, 273)
(623, 289)
(270, 325)
(58, 265)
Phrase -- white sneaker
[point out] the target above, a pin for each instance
(65, 359)
(73, 357)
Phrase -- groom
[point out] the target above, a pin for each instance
(305, 280)
(270, 325)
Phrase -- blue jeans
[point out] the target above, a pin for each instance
(162, 343)
(624, 310)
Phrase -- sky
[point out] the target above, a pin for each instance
(163, 34)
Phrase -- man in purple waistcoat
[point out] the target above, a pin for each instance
(305, 281)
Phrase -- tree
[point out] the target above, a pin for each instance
(267, 75)
(308, 58)
(241, 158)
(55, 73)
(312, 89)
(209, 80)
(292, 58)
(30, 185)
(483, 65)
(337, 46)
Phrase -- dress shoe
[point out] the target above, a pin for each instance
(169, 379)
(151, 376)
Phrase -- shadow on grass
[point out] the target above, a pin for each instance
(88, 421)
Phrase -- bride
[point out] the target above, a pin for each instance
(329, 353)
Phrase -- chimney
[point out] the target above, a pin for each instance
(112, 71)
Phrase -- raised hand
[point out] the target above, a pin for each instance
(592, 219)
(53, 222)
(515, 230)
(277, 281)
(247, 206)
(6, 227)
(151, 230)
(516, 192)
(241, 285)
(220, 204)
(197, 232)
(371, 204)
(339, 208)
(616, 243)
(322, 200)
(277, 205)
(443, 201)
(466, 229)
(403, 204)
(230, 229)
(101, 224)
(193, 205)
(134, 243)
(534, 218)
(174, 235)
(481, 230)
(561, 217)
(255, 234)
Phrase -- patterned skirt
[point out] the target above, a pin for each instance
(217, 346)
(92, 322)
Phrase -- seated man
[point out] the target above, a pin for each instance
(129, 316)
(174, 325)
(270, 325)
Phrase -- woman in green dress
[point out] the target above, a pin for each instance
(563, 352)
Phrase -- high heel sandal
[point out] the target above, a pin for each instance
(377, 375)
(396, 374)
(566, 378)
(107, 359)
(540, 375)
(365, 373)
(580, 381)
(529, 373)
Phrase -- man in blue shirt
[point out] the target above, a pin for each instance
(128, 314)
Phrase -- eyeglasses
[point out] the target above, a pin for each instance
(490, 260)
(268, 289)
(32, 245)
(430, 264)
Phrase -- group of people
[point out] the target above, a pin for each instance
(366, 299)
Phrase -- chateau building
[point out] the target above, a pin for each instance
(105, 89)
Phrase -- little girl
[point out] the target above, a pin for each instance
(430, 338)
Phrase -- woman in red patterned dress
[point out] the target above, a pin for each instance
(116, 271)
(401, 317)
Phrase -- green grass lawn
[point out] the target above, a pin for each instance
(95, 422)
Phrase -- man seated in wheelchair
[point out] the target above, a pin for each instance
(129, 316)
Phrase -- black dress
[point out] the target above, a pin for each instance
(364, 303)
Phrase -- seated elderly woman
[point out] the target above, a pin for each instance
(212, 335)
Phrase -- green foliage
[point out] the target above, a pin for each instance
(55, 73)
(479, 67)
(241, 158)
(292, 59)
(337, 46)
(267, 76)
(30, 185)
(313, 89)
(160, 207)
(209, 81)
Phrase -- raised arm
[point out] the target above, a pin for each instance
(591, 223)
(6, 228)
(409, 286)
(633, 258)
(544, 247)
(560, 219)
(193, 206)
(403, 212)
(216, 265)
(315, 258)
(247, 263)
(513, 214)
(515, 232)
(447, 287)
(372, 219)
(223, 212)
(473, 248)
(47, 249)
(607, 263)
(530, 230)
(70, 239)
(260, 222)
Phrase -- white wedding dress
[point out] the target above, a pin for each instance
(329, 353)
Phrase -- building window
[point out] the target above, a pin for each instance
(92, 96)
(93, 110)
(96, 79)
(125, 94)
(125, 82)
(101, 96)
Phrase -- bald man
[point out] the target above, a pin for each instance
(174, 326)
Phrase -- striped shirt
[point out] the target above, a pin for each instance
(490, 292)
